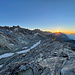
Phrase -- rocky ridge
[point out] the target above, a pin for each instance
(50, 56)
(15, 38)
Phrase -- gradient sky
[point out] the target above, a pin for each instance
(51, 15)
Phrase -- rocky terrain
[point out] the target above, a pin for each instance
(64, 38)
(34, 52)
(15, 38)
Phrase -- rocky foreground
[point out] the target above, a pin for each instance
(34, 53)
(50, 57)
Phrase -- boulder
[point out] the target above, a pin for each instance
(27, 72)
(69, 70)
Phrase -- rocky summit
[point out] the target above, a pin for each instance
(35, 52)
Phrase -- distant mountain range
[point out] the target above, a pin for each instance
(64, 38)
(71, 36)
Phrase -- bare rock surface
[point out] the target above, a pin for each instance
(50, 57)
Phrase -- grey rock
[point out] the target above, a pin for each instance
(70, 70)
(46, 71)
(27, 72)
(50, 57)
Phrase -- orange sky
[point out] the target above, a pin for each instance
(62, 31)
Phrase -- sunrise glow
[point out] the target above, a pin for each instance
(57, 31)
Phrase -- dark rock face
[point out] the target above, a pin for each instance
(27, 72)
(63, 54)
(27, 69)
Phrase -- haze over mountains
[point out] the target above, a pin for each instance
(35, 52)
(71, 36)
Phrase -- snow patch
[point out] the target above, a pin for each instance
(24, 48)
(1, 66)
(36, 34)
(35, 45)
(6, 55)
(23, 51)
(29, 48)
(11, 32)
